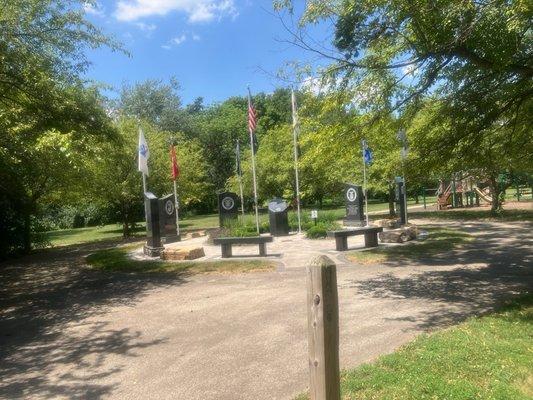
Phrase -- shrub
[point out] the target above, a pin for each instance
(320, 229)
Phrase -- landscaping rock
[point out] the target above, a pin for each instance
(400, 235)
(387, 223)
(182, 253)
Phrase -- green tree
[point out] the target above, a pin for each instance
(41, 98)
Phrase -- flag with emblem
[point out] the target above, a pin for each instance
(367, 153)
(144, 153)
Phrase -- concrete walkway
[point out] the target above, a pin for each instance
(67, 331)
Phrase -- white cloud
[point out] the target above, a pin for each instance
(196, 10)
(174, 42)
(146, 27)
(178, 40)
(94, 9)
(196, 37)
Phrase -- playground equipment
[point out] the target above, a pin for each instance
(460, 192)
(483, 195)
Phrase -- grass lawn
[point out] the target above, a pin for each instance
(116, 260)
(483, 214)
(439, 240)
(489, 358)
(67, 237)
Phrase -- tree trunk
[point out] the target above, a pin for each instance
(27, 231)
(125, 221)
(495, 194)
(417, 201)
(392, 212)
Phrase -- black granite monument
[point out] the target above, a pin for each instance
(153, 246)
(167, 219)
(355, 211)
(278, 217)
(228, 207)
(401, 207)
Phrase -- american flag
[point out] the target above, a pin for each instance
(252, 122)
(252, 116)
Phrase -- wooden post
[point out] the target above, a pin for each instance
(323, 329)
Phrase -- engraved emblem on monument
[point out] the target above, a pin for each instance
(169, 207)
(228, 203)
(351, 195)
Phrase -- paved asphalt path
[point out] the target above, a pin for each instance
(69, 332)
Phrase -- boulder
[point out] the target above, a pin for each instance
(387, 223)
(400, 235)
(182, 253)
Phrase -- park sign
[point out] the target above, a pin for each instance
(228, 207)
(354, 199)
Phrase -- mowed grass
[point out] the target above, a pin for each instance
(486, 358)
(66, 237)
(477, 214)
(117, 260)
(440, 240)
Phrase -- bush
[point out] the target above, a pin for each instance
(319, 230)
(246, 228)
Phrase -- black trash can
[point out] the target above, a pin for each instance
(278, 217)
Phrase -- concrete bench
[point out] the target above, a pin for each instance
(341, 237)
(227, 243)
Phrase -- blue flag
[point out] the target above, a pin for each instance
(367, 153)
(368, 156)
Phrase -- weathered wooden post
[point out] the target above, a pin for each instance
(323, 329)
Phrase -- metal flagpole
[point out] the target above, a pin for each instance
(403, 138)
(253, 158)
(295, 141)
(144, 183)
(239, 173)
(176, 205)
(363, 143)
(175, 174)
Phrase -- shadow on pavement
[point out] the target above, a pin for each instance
(475, 278)
(45, 300)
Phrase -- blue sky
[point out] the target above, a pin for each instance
(213, 47)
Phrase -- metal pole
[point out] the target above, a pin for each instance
(404, 191)
(176, 205)
(242, 194)
(253, 166)
(144, 183)
(364, 184)
(295, 142)
(255, 184)
(424, 197)
(239, 174)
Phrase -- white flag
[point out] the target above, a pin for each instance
(144, 153)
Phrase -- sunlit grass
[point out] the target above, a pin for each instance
(487, 358)
(117, 260)
(440, 240)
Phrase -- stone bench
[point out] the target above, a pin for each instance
(227, 243)
(341, 237)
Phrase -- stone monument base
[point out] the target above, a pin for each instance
(152, 251)
(353, 222)
(182, 253)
